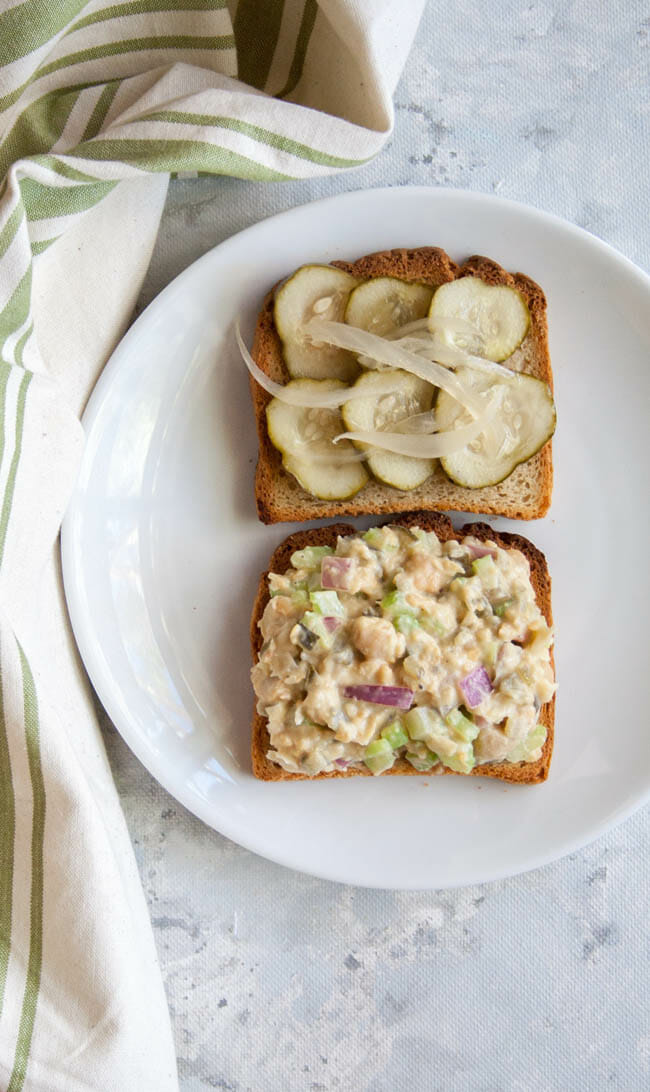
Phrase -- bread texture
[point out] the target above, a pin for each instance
(524, 494)
(522, 773)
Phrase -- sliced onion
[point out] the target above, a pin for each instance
(420, 423)
(331, 624)
(439, 325)
(396, 696)
(305, 450)
(335, 572)
(342, 763)
(481, 551)
(426, 447)
(391, 353)
(475, 687)
(331, 399)
(436, 349)
(409, 328)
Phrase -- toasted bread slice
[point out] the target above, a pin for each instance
(523, 773)
(525, 494)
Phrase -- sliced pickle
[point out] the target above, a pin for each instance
(384, 304)
(498, 315)
(524, 422)
(304, 436)
(392, 396)
(314, 290)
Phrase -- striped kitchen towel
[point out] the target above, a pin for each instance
(99, 104)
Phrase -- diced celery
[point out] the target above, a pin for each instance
(501, 605)
(395, 734)
(458, 581)
(314, 622)
(462, 726)
(522, 751)
(296, 592)
(405, 623)
(422, 762)
(421, 722)
(374, 538)
(310, 557)
(481, 566)
(327, 603)
(395, 603)
(462, 761)
(313, 581)
(379, 756)
(426, 538)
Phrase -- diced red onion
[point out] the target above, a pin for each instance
(475, 687)
(481, 551)
(335, 572)
(397, 696)
(331, 624)
(342, 763)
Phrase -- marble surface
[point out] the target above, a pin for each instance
(279, 982)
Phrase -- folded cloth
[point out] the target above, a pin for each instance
(99, 103)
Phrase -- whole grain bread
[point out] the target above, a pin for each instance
(525, 494)
(523, 773)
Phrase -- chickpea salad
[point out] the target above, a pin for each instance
(396, 644)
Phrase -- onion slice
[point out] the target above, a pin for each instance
(331, 399)
(419, 424)
(391, 353)
(335, 572)
(475, 687)
(396, 696)
(426, 447)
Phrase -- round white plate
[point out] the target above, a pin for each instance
(162, 550)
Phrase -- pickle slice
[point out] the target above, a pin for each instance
(525, 421)
(392, 396)
(496, 312)
(304, 437)
(319, 290)
(384, 304)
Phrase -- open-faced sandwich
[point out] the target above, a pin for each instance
(409, 648)
(403, 381)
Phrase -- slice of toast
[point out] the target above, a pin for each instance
(524, 494)
(523, 773)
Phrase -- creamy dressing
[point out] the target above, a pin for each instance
(452, 627)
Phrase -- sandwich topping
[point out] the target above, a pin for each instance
(407, 374)
(397, 645)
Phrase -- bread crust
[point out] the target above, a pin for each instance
(524, 494)
(523, 773)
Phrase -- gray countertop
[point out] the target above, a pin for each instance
(279, 982)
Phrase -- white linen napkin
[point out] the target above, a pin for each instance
(99, 103)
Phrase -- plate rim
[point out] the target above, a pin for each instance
(81, 627)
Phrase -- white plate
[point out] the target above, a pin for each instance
(162, 550)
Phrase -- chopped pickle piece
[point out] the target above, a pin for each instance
(501, 605)
(316, 624)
